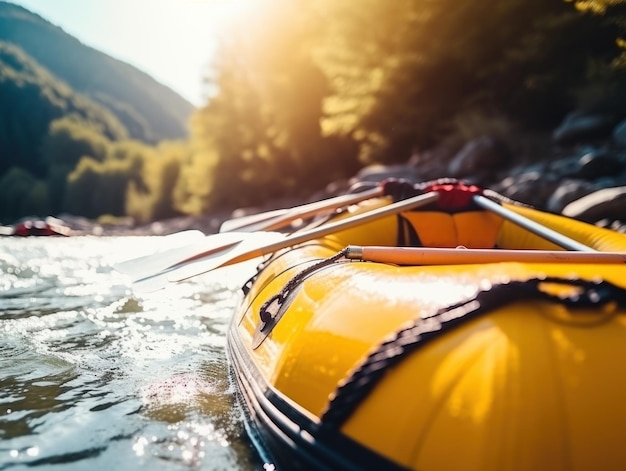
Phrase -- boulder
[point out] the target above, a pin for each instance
(607, 203)
(619, 135)
(533, 188)
(579, 127)
(598, 164)
(377, 173)
(480, 159)
(566, 192)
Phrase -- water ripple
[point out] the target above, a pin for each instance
(96, 377)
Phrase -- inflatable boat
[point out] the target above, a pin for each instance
(468, 333)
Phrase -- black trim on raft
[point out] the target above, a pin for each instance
(275, 307)
(247, 286)
(364, 378)
(292, 439)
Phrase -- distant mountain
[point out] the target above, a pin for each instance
(32, 99)
(148, 110)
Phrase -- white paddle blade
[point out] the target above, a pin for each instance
(203, 261)
(148, 265)
(230, 255)
(128, 262)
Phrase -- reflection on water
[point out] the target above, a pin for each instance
(93, 376)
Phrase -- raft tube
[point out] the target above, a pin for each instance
(344, 364)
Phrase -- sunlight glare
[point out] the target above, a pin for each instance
(231, 9)
(233, 15)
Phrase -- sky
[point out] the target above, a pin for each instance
(171, 40)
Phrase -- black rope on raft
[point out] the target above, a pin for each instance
(352, 391)
(270, 308)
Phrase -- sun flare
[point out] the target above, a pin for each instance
(227, 11)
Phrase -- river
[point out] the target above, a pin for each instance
(96, 376)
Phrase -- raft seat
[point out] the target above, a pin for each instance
(479, 229)
(474, 229)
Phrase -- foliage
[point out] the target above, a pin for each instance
(68, 140)
(260, 137)
(47, 127)
(313, 89)
(32, 99)
(428, 62)
(133, 179)
(96, 188)
(152, 191)
(22, 194)
(306, 92)
(149, 110)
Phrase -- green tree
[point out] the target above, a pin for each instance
(153, 197)
(259, 137)
(66, 143)
(68, 140)
(22, 194)
(97, 188)
(31, 99)
(403, 71)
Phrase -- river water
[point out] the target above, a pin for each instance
(96, 376)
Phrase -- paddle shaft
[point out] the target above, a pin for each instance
(442, 256)
(313, 209)
(282, 220)
(243, 223)
(532, 226)
(149, 265)
(298, 238)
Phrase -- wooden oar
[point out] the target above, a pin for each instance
(441, 256)
(248, 249)
(279, 219)
(534, 227)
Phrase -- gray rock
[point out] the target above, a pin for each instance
(533, 188)
(481, 159)
(564, 168)
(377, 173)
(619, 135)
(598, 164)
(566, 192)
(579, 127)
(607, 203)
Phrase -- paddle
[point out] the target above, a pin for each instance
(248, 249)
(281, 218)
(442, 256)
(243, 222)
(145, 266)
(532, 226)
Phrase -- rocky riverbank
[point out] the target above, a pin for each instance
(579, 171)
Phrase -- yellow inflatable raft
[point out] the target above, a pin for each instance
(456, 336)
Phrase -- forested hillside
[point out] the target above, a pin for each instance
(150, 111)
(31, 99)
(308, 92)
(311, 89)
(63, 103)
